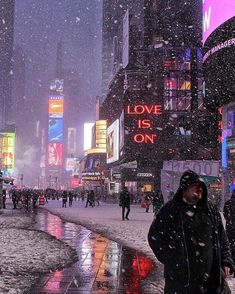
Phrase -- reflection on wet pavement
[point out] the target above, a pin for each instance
(103, 266)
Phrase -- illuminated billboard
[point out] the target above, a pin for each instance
(8, 151)
(121, 131)
(215, 13)
(72, 134)
(72, 164)
(55, 151)
(87, 135)
(57, 85)
(100, 134)
(113, 142)
(55, 130)
(56, 108)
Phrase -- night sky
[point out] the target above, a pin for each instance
(40, 25)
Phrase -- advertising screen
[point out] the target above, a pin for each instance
(8, 151)
(55, 154)
(57, 85)
(55, 130)
(215, 13)
(121, 131)
(87, 135)
(113, 142)
(56, 108)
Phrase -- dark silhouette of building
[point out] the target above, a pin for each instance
(158, 91)
(6, 53)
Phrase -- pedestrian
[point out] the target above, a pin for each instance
(125, 202)
(14, 198)
(64, 198)
(70, 198)
(188, 237)
(89, 199)
(97, 198)
(229, 214)
(147, 201)
(4, 198)
(157, 201)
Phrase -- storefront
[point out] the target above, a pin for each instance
(209, 170)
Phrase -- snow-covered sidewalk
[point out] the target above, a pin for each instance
(26, 253)
(106, 219)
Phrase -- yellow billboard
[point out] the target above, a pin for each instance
(101, 131)
(8, 151)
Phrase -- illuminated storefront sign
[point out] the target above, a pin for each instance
(55, 130)
(92, 176)
(56, 108)
(215, 13)
(55, 154)
(8, 151)
(144, 124)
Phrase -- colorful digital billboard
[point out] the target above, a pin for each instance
(57, 85)
(215, 13)
(56, 108)
(87, 135)
(113, 142)
(55, 130)
(55, 151)
(8, 151)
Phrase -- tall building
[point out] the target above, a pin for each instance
(218, 65)
(154, 98)
(6, 52)
(113, 13)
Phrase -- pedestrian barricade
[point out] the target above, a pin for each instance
(41, 200)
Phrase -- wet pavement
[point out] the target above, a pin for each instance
(103, 266)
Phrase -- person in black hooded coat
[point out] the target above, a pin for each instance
(188, 237)
(229, 214)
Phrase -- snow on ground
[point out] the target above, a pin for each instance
(106, 219)
(25, 253)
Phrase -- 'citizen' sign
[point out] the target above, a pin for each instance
(144, 175)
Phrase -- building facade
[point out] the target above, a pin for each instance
(154, 102)
(6, 53)
(218, 65)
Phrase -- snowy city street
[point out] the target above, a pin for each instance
(117, 147)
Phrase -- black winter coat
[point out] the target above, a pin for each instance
(125, 199)
(167, 240)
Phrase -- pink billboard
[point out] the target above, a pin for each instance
(215, 13)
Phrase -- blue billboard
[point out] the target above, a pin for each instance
(55, 130)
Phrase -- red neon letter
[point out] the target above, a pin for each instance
(144, 123)
(139, 138)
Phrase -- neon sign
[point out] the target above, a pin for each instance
(144, 123)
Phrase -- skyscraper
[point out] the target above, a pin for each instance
(6, 52)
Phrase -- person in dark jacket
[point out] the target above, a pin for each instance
(229, 214)
(125, 201)
(188, 237)
(64, 198)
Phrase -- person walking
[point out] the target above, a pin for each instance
(14, 198)
(125, 202)
(64, 198)
(147, 201)
(70, 198)
(188, 237)
(229, 215)
(157, 201)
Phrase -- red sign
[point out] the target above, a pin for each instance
(55, 154)
(144, 123)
